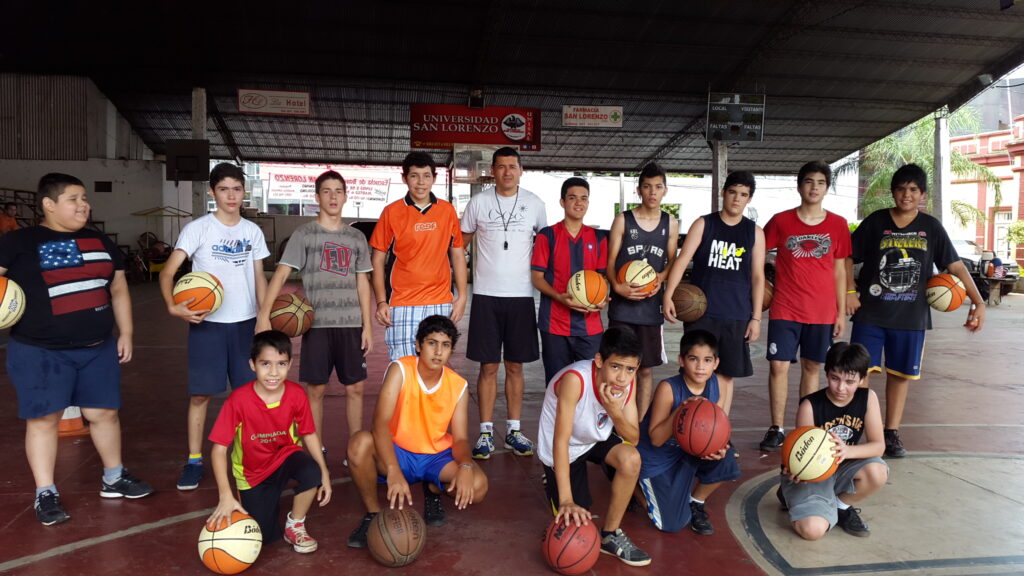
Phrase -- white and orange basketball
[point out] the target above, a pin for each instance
(205, 289)
(588, 288)
(12, 302)
(639, 272)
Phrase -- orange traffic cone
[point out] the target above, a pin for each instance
(71, 423)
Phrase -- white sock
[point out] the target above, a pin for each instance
(843, 505)
(487, 427)
(292, 521)
(511, 426)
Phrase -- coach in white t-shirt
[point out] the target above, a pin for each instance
(504, 220)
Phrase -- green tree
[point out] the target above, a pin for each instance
(916, 144)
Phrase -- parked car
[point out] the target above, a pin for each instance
(970, 254)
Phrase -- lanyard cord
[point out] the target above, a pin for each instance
(501, 215)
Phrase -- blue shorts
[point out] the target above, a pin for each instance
(400, 337)
(560, 351)
(48, 381)
(785, 337)
(421, 467)
(668, 494)
(904, 349)
(219, 353)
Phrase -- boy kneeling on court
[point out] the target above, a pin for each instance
(849, 411)
(264, 421)
(582, 404)
(667, 478)
(420, 434)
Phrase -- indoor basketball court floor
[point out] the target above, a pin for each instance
(955, 505)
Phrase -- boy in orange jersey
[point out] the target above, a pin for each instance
(419, 434)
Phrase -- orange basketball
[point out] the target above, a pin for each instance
(233, 548)
(571, 549)
(396, 537)
(807, 454)
(588, 288)
(641, 273)
(702, 428)
(204, 288)
(690, 302)
(945, 292)
(769, 293)
(291, 314)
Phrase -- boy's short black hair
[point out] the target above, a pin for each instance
(418, 160)
(504, 152)
(273, 339)
(620, 341)
(329, 175)
(694, 338)
(910, 173)
(652, 170)
(816, 166)
(225, 170)
(437, 323)
(741, 178)
(845, 358)
(52, 185)
(572, 182)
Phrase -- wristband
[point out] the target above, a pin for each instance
(752, 318)
(851, 291)
(382, 302)
(465, 465)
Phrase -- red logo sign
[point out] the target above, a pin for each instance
(441, 125)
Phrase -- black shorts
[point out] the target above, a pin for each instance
(263, 501)
(338, 349)
(497, 322)
(578, 481)
(733, 350)
(652, 339)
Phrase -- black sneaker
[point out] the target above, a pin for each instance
(894, 444)
(191, 474)
(127, 486)
(699, 522)
(773, 439)
(433, 510)
(782, 499)
(357, 539)
(850, 521)
(48, 509)
(619, 545)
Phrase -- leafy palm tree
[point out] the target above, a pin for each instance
(916, 144)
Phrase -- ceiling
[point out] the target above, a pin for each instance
(837, 74)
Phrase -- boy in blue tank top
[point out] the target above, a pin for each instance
(675, 484)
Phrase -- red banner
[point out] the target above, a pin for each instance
(441, 125)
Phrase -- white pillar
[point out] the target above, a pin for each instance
(941, 171)
(719, 171)
(199, 189)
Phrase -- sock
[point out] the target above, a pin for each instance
(487, 427)
(195, 458)
(292, 521)
(843, 505)
(511, 426)
(605, 533)
(692, 499)
(111, 475)
(51, 488)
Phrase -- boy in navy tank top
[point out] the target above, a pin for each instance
(849, 411)
(727, 250)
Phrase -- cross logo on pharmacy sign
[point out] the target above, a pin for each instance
(592, 116)
(273, 102)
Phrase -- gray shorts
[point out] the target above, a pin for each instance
(821, 499)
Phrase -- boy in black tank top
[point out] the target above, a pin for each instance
(643, 233)
(849, 411)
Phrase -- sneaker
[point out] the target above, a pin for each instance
(782, 499)
(296, 535)
(773, 439)
(619, 545)
(127, 486)
(850, 521)
(484, 446)
(433, 511)
(518, 443)
(191, 474)
(357, 539)
(894, 444)
(48, 509)
(699, 522)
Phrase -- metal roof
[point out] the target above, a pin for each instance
(838, 74)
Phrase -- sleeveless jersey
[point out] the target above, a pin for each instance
(639, 244)
(422, 415)
(655, 460)
(722, 267)
(591, 423)
(846, 421)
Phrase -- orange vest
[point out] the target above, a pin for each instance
(422, 417)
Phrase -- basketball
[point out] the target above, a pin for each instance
(588, 288)
(807, 454)
(690, 302)
(769, 293)
(205, 289)
(396, 537)
(231, 549)
(640, 273)
(12, 302)
(945, 292)
(571, 549)
(291, 314)
(702, 428)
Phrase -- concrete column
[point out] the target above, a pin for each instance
(199, 189)
(719, 171)
(942, 173)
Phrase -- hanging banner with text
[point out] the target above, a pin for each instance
(592, 116)
(735, 116)
(442, 125)
(273, 102)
